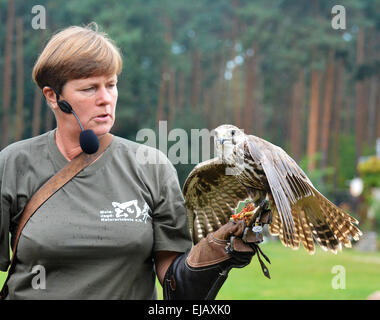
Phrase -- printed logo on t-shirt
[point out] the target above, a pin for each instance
(126, 211)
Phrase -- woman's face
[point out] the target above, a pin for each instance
(93, 100)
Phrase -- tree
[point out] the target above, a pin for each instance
(297, 116)
(20, 80)
(312, 141)
(327, 107)
(7, 75)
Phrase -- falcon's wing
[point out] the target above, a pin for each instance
(211, 197)
(300, 212)
(287, 181)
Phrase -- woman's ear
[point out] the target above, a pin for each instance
(50, 97)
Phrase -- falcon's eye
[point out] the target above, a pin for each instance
(233, 132)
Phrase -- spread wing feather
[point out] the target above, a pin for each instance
(300, 212)
(211, 197)
(287, 182)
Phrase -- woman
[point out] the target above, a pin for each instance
(108, 232)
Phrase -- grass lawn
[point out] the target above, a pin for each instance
(297, 275)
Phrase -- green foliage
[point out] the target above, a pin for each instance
(153, 35)
(346, 160)
(188, 122)
(370, 173)
(370, 168)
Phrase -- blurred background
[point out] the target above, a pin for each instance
(282, 70)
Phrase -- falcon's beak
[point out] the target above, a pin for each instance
(222, 143)
(223, 140)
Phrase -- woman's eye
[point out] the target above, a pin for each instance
(88, 89)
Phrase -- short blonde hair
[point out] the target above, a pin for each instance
(76, 53)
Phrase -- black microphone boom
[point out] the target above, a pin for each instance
(88, 140)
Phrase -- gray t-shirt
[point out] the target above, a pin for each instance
(95, 238)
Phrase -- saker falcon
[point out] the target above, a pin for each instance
(248, 167)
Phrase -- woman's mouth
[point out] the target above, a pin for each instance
(102, 118)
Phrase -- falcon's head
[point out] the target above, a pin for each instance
(226, 138)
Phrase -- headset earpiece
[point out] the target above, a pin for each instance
(62, 104)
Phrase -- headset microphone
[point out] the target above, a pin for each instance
(88, 140)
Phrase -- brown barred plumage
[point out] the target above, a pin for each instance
(300, 213)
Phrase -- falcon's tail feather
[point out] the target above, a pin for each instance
(316, 219)
(342, 222)
(332, 221)
(305, 232)
(330, 226)
(276, 228)
(297, 240)
(302, 235)
(321, 231)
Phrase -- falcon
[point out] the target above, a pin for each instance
(247, 167)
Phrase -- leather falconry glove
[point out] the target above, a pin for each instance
(200, 272)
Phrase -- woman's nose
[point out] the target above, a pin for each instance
(103, 96)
